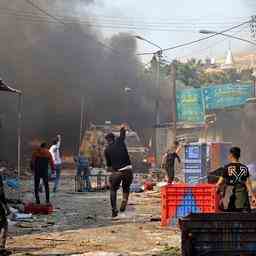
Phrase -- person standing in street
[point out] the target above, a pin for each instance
(83, 173)
(120, 168)
(55, 152)
(41, 159)
(237, 182)
(169, 161)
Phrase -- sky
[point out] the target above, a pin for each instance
(171, 22)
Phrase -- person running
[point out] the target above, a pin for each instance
(41, 159)
(236, 177)
(120, 168)
(169, 161)
(55, 152)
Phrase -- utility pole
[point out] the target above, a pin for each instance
(253, 26)
(19, 132)
(254, 83)
(174, 103)
(156, 69)
(157, 75)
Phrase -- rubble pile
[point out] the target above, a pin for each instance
(7, 170)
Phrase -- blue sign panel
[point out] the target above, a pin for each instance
(227, 95)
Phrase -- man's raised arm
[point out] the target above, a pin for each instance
(59, 140)
(123, 132)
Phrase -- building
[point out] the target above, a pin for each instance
(229, 61)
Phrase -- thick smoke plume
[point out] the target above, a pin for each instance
(55, 65)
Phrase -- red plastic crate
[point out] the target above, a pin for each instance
(178, 200)
(38, 208)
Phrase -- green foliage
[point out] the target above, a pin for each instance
(190, 73)
(194, 73)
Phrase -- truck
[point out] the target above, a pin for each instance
(93, 146)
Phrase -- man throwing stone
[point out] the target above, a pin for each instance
(119, 165)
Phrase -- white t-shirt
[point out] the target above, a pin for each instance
(55, 152)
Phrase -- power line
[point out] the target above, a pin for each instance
(36, 18)
(30, 2)
(31, 17)
(114, 25)
(212, 45)
(198, 40)
(163, 21)
(77, 19)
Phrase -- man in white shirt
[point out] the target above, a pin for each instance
(55, 152)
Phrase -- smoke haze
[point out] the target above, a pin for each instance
(55, 65)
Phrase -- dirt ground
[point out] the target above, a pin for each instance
(81, 223)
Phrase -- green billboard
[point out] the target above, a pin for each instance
(193, 103)
(225, 96)
(190, 106)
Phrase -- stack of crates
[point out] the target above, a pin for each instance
(179, 200)
(218, 234)
(43, 209)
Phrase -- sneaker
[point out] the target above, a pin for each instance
(123, 206)
(114, 213)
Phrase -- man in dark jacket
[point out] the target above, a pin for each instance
(119, 164)
(41, 159)
(169, 161)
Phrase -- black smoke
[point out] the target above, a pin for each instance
(55, 65)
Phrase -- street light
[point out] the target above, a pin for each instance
(207, 32)
(156, 61)
(148, 41)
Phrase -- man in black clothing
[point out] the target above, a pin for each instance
(119, 164)
(238, 184)
(169, 161)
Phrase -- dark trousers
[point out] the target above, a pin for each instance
(46, 187)
(115, 180)
(170, 173)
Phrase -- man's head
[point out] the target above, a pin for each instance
(110, 138)
(44, 145)
(176, 144)
(234, 154)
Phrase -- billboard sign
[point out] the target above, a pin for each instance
(193, 103)
(225, 96)
(190, 107)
